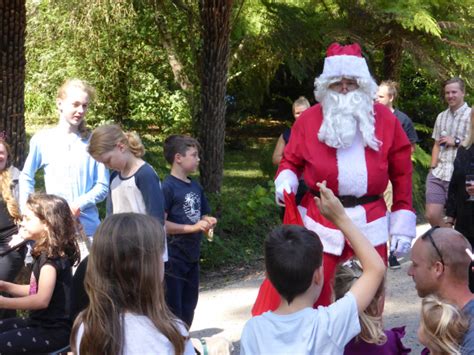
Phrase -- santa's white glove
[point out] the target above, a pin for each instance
(279, 196)
(400, 245)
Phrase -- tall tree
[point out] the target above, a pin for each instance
(12, 75)
(215, 32)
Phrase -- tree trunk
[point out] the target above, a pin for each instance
(215, 20)
(12, 75)
(392, 56)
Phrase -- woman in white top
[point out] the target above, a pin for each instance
(127, 313)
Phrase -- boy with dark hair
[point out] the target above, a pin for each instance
(293, 259)
(306, 252)
(186, 210)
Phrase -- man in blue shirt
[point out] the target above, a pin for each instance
(61, 151)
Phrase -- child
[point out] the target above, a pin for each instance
(293, 259)
(299, 105)
(11, 263)
(442, 326)
(186, 210)
(373, 339)
(127, 313)
(69, 170)
(47, 221)
(134, 185)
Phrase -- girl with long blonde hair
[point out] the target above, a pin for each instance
(442, 326)
(372, 339)
(11, 263)
(127, 313)
(48, 222)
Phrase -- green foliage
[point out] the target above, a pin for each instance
(245, 209)
(421, 162)
(265, 160)
(108, 44)
(242, 227)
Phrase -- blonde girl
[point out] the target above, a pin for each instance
(372, 339)
(442, 326)
(48, 222)
(127, 313)
(134, 184)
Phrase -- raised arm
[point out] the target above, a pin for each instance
(366, 286)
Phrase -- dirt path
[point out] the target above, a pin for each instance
(224, 309)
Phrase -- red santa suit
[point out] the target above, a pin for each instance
(358, 170)
(354, 171)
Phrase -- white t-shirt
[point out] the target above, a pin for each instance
(142, 338)
(325, 330)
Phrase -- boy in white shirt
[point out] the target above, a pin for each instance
(293, 261)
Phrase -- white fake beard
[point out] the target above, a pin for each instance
(343, 115)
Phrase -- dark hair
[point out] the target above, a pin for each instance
(292, 254)
(178, 144)
(455, 80)
(61, 238)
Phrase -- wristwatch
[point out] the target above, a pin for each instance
(457, 141)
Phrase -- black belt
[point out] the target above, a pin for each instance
(351, 201)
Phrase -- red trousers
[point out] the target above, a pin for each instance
(268, 298)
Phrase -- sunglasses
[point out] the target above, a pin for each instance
(429, 235)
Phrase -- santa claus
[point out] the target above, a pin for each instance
(356, 146)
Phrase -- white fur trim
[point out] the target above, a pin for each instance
(403, 222)
(352, 169)
(345, 65)
(284, 179)
(333, 239)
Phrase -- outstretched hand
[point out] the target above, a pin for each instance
(328, 204)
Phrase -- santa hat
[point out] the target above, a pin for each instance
(345, 61)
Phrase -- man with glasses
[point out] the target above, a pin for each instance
(440, 266)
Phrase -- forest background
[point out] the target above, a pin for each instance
(227, 72)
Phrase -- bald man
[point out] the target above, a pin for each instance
(440, 266)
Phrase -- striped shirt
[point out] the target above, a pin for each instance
(452, 124)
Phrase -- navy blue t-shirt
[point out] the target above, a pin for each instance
(185, 203)
(407, 125)
(286, 135)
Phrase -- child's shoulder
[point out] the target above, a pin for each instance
(174, 182)
(44, 133)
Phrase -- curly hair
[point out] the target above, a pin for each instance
(443, 325)
(371, 319)
(60, 240)
(6, 186)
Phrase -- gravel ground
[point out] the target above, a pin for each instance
(225, 308)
